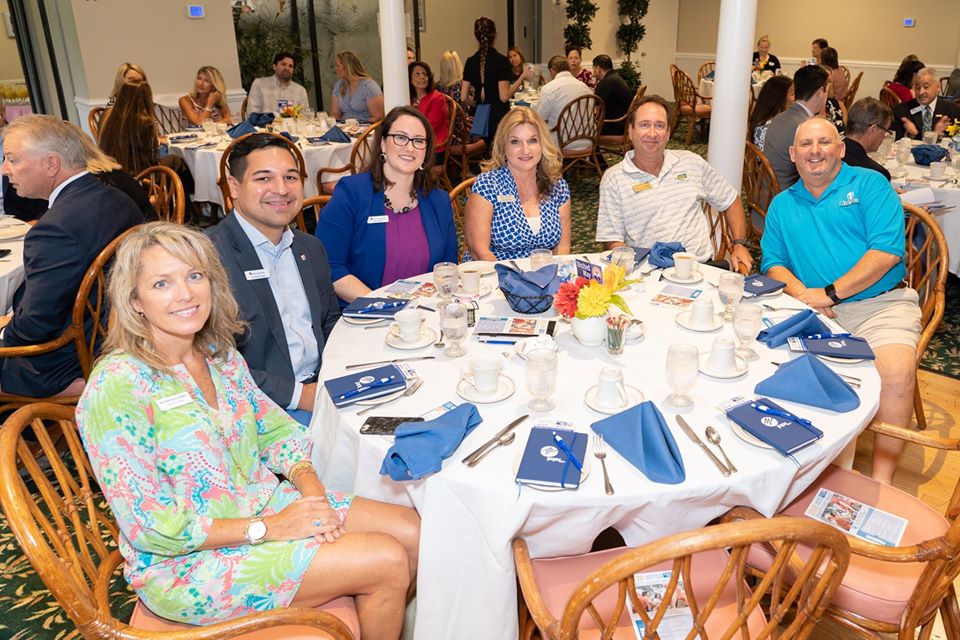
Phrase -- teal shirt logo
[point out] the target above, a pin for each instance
(851, 199)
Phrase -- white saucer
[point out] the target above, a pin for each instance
(381, 399)
(668, 274)
(747, 437)
(634, 397)
(365, 321)
(427, 337)
(505, 389)
(583, 474)
(14, 230)
(683, 319)
(485, 290)
(635, 331)
(948, 175)
(841, 360)
(485, 268)
(741, 369)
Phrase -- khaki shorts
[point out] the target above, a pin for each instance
(890, 318)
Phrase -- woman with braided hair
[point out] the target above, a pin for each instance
(488, 72)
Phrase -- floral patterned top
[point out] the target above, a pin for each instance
(169, 464)
(586, 77)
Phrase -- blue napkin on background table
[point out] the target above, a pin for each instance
(420, 448)
(335, 134)
(259, 119)
(242, 129)
(541, 282)
(289, 137)
(924, 154)
(809, 381)
(661, 254)
(640, 434)
(521, 103)
(804, 323)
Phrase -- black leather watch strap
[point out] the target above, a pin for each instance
(831, 292)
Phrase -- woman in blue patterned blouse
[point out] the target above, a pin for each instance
(520, 202)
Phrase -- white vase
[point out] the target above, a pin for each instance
(592, 331)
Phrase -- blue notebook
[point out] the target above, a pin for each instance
(364, 385)
(545, 464)
(758, 285)
(639, 255)
(374, 307)
(784, 434)
(849, 347)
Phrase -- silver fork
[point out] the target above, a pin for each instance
(600, 453)
(439, 343)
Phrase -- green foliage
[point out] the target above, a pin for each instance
(259, 38)
(630, 74)
(579, 15)
(630, 33)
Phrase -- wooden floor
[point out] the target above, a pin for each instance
(927, 474)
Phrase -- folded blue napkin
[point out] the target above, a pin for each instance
(260, 119)
(181, 137)
(924, 154)
(521, 103)
(242, 129)
(289, 137)
(335, 134)
(640, 434)
(809, 381)
(661, 254)
(420, 448)
(804, 323)
(543, 281)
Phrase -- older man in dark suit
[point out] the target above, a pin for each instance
(280, 277)
(926, 112)
(44, 157)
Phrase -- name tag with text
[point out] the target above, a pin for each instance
(506, 198)
(916, 109)
(378, 219)
(256, 274)
(172, 402)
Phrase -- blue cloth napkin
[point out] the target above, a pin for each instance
(804, 323)
(420, 448)
(260, 119)
(242, 129)
(661, 254)
(521, 103)
(289, 137)
(335, 134)
(640, 434)
(541, 282)
(809, 381)
(924, 154)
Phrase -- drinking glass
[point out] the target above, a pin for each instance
(903, 155)
(541, 378)
(453, 324)
(540, 258)
(746, 324)
(210, 128)
(445, 278)
(731, 290)
(682, 368)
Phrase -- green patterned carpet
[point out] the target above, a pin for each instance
(32, 614)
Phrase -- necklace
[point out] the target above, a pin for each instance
(411, 205)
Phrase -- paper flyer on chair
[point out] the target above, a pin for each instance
(651, 588)
(856, 518)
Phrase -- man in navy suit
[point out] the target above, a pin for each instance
(44, 157)
(280, 277)
(927, 111)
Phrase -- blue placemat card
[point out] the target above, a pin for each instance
(374, 307)
(364, 385)
(785, 433)
(848, 347)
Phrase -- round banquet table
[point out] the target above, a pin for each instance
(204, 164)
(945, 192)
(11, 266)
(466, 586)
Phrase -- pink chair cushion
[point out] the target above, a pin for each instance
(558, 578)
(343, 608)
(871, 588)
(702, 109)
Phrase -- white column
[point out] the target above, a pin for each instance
(393, 50)
(728, 121)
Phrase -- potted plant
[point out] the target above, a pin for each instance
(629, 35)
(579, 15)
(587, 302)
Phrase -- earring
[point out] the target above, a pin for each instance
(423, 166)
(383, 158)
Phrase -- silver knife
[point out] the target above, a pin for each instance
(471, 459)
(394, 361)
(693, 436)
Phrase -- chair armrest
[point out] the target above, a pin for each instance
(322, 170)
(917, 437)
(26, 351)
(531, 592)
(248, 624)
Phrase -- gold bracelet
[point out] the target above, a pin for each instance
(297, 469)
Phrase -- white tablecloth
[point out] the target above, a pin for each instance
(204, 164)
(11, 269)
(948, 194)
(466, 586)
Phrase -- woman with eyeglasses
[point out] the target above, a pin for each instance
(388, 222)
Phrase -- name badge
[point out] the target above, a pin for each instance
(506, 198)
(256, 274)
(642, 186)
(916, 109)
(172, 402)
(378, 219)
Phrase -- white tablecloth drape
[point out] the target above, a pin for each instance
(948, 194)
(11, 270)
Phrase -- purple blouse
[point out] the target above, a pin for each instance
(408, 253)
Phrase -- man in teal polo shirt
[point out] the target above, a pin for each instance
(836, 238)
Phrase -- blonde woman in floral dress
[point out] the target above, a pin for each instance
(187, 450)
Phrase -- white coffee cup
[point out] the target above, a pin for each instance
(722, 356)
(351, 122)
(702, 314)
(408, 323)
(470, 280)
(485, 373)
(610, 391)
(684, 265)
(938, 169)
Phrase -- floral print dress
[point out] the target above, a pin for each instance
(169, 464)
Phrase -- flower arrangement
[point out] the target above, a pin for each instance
(292, 111)
(582, 298)
(953, 132)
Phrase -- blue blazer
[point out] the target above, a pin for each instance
(356, 247)
(264, 343)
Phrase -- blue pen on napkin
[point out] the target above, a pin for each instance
(380, 306)
(367, 387)
(762, 408)
(571, 457)
(823, 336)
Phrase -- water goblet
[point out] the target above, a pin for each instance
(540, 258)
(453, 324)
(746, 324)
(731, 290)
(682, 368)
(541, 378)
(903, 155)
(445, 278)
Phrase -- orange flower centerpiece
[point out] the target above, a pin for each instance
(292, 111)
(587, 302)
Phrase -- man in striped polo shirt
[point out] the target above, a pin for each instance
(655, 195)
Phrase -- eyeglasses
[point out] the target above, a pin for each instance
(401, 140)
(882, 128)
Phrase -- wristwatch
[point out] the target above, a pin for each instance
(740, 241)
(831, 292)
(256, 531)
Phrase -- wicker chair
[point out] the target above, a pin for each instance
(888, 97)
(169, 119)
(852, 91)
(690, 104)
(165, 191)
(93, 120)
(618, 144)
(578, 132)
(312, 206)
(711, 563)
(760, 184)
(706, 69)
(360, 156)
(222, 179)
(458, 200)
(462, 150)
(944, 85)
(846, 73)
(68, 534)
(720, 236)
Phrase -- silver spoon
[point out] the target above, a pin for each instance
(503, 441)
(714, 439)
